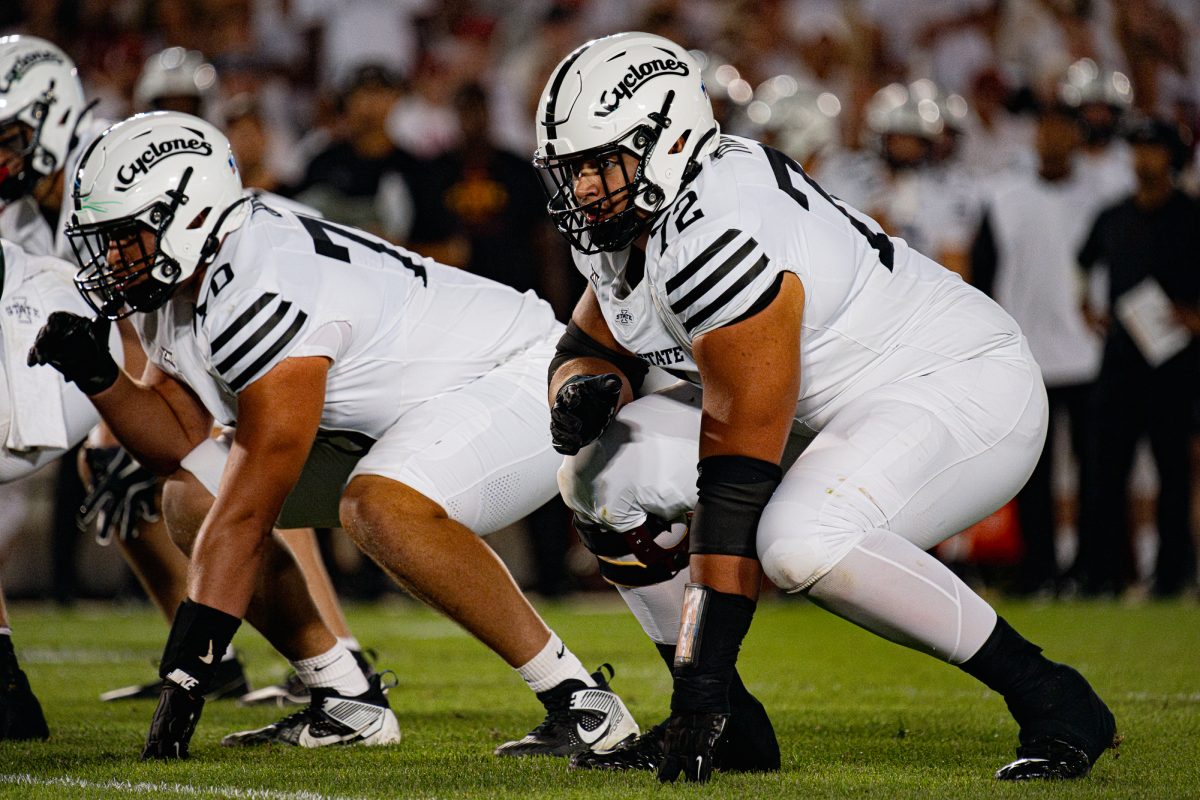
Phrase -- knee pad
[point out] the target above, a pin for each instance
(795, 552)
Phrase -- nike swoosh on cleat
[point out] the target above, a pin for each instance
(591, 737)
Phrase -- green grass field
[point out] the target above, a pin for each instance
(856, 716)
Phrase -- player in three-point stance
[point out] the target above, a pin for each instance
(790, 316)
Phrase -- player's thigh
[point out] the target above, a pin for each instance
(923, 458)
(644, 463)
(482, 452)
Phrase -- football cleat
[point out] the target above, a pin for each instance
(643, 753)
(229, 681)
(1065, 728)
(21, 715)
(330, 719)
(578, 718)
(1046, 759)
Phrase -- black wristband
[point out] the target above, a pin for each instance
(104, 376)
(706, 656)
(199, 637)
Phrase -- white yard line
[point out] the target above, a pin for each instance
(129, 787)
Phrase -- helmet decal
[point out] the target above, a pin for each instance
(157, 152)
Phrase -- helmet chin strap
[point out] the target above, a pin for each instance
(213, 242)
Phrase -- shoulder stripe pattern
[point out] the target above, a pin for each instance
(260, 345)
(698, 263)
(242, 320)
(736, 271)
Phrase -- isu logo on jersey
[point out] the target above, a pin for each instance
(634, 78)
(624, 318)
(158, 152)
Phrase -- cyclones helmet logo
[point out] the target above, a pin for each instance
(22, 65)
(635, 77)
(155, 154)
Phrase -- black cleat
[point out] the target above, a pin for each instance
(330, 719)
(641, 753)
(229, 681)
(21, 715)
(1046, 759)
(578, 718)
(1065, 728)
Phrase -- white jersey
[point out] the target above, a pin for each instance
(1038, 228)
(399, 328)
(876, 311)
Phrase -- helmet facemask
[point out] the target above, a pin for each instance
(19, 138)
(593, 227)
(141, 279)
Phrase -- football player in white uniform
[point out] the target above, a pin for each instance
(367, 385)
(718, 258)
(41, 416)
(45, 124)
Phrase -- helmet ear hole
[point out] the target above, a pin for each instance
(680, 143)
(199, 219)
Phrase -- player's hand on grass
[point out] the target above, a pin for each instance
(689, 745)
(173, 723)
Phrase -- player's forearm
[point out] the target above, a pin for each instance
(147, 425)
(589, 366)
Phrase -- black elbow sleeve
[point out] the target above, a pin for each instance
(575, 343)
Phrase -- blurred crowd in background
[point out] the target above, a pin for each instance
(1041, 148)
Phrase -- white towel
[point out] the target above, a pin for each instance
(35, 393)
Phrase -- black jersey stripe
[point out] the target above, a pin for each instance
(238, 383)
(697, 263)
(716, 276)
(256, 338)
(242, 320)
(741, 283)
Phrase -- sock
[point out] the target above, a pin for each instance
(5, 630)
(230, 654)
(553, 665)
(1006, 661)
(351, 643)
(335, 669)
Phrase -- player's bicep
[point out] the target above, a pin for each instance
(590, 319)
(193, 417)
(750, 371)
(277, 421)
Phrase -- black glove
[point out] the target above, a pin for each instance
(121, 494)
(78, 348)
(689, 746)
(173, 723)
(583, 407)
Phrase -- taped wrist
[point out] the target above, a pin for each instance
(733, 491)
(575, 343)
(710, 636)
(198, 639)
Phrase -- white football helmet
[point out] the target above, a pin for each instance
(1086, 83)
(165, 172)
(175, 72)
(635, 93)
(41, 102)
(798, 118)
